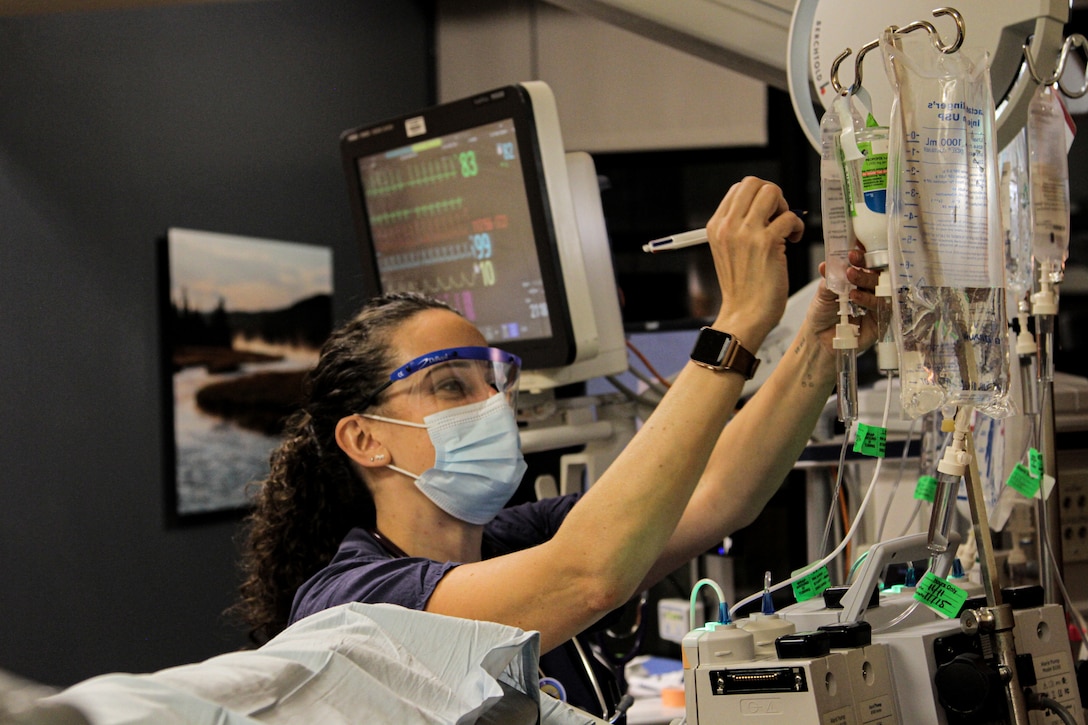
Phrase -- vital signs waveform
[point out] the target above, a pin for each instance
(407, 214)
(425, 172)
(429, 226)
(440, 284)
(466, 273)
(426, 257)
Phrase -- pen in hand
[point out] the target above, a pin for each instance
(687, 239)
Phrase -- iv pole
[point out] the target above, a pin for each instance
(996, 619)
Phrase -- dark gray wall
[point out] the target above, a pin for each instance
(114, 126)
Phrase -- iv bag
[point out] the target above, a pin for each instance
(944, 229)
(868, 184)
(838, 232)
(1049, 164)
(1016, 219)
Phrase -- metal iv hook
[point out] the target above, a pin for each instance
(961, 32)
(1073, 41)
(856, 85)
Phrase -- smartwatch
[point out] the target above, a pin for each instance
(721, 351)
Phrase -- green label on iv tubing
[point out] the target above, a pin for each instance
(1035, 462)
(1021, 481)
(871, 440)
(811, 585)
(944, 598)
(926, 490)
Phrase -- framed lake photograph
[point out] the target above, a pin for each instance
(243, 322)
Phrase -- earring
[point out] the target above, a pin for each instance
(377, 458)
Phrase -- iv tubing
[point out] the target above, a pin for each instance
(847, 359)
(1045, 329)
(918, 503)
(846, 349)
(846, 539)
(839, 475)
(903, 615)
(653, 385)
(723, 614)
(898, 479)
(950, 472)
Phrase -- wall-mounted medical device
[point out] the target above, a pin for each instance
(476, 202)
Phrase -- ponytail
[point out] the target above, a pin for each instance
(312, 496)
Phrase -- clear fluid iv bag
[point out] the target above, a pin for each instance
(837, 203)
(1016, 219)
(838, 232)
(1049, 169)
(945, 240)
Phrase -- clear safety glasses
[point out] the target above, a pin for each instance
(455, 376)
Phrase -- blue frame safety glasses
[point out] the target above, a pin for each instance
(454, 376)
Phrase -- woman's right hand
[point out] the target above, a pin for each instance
(748, 234)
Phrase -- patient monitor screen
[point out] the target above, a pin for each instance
(449, 217)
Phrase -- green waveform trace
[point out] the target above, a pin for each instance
(424, 173)
(420, 211)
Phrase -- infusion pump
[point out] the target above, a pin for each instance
(928, 672)
(858, 657)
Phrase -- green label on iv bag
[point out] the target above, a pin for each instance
(1035, 462)
(811, 585)
(871, 440)
(944, 598)
(926, 490)
(870, 177)
(1022, 481)
(874, 169)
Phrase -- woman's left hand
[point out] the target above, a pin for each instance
(823, 313)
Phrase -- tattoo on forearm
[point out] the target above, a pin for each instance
(808, 378)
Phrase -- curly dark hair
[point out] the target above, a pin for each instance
(312, 496)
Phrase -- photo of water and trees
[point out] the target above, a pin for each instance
(245, 321)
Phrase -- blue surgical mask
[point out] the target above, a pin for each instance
(478, 462)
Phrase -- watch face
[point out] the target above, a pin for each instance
(710, 347)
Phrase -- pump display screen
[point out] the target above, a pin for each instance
(449, 217)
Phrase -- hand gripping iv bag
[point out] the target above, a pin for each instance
(945, 237)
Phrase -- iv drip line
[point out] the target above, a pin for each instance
(847, 538)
